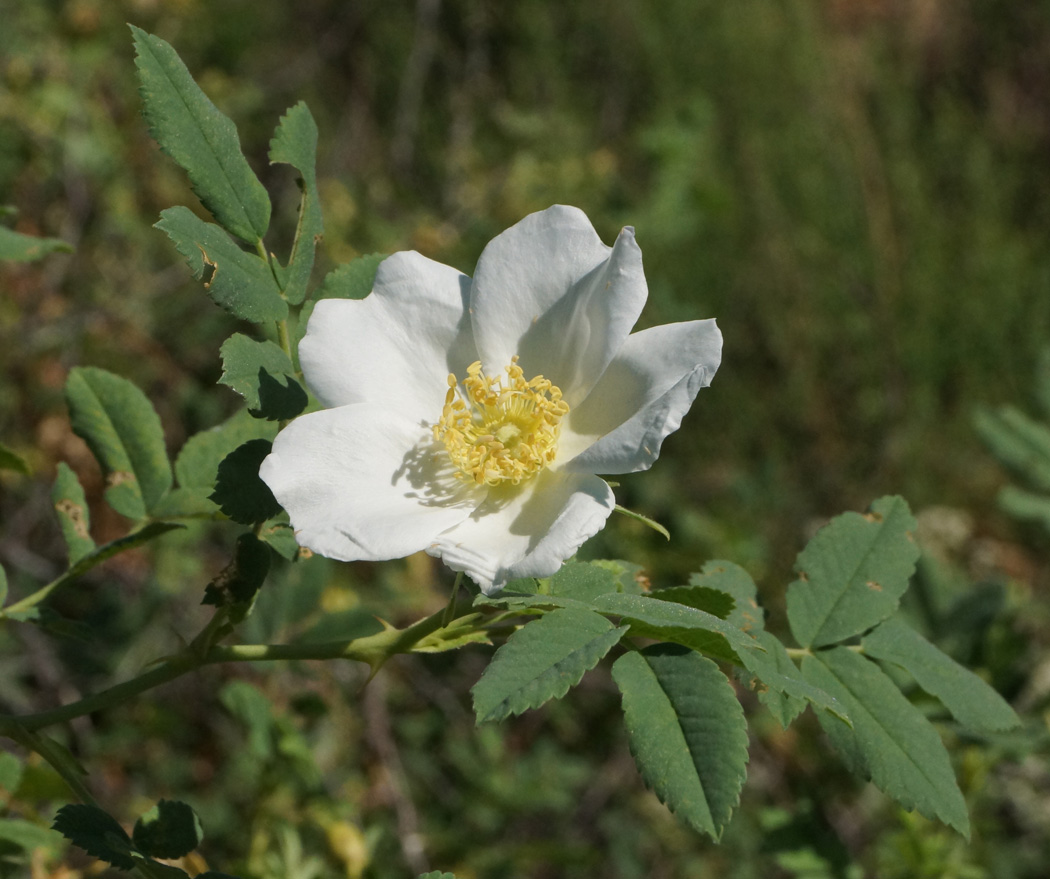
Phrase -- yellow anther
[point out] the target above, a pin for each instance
(501, 430)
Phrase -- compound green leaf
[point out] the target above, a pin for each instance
(169, 830)
(123, 431)
(735, 581)
(668, 621)
(16, 247)
(295, 143)
(200, 138)
(970, 700)
(687, 732)
(239, 491)
(542, 660)
(852, 573)
(96, 832)
(262, 373)
(784, 691)
(73, 514)
(890, 741)
(239, 281)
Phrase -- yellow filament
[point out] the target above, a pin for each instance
(501, 430)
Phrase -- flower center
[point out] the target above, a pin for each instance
(501, 430)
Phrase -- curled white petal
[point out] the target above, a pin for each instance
(363, 483)
(549, 291)
(641, 398)
(396, 346)
(526, 533)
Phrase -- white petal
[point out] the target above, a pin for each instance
(362, 482)
(641, 398)
(396, 346)
(551, 292)
(527, 532)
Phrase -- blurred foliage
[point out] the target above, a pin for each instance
(854, 188)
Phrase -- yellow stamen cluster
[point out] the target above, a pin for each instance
(500, 431)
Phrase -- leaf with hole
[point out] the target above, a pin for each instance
(295, 143)
(239, 281)
(852, 573)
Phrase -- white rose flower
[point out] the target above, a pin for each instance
(469, 417)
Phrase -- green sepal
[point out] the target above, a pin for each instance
(852, 574)
(239, 491)
(169, 830)
(74, 517)
(687, 732)
(239, 281)
(124, 433)
(262, 373)
(200, 138)
(295, 143)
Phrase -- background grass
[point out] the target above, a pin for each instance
(856, 189)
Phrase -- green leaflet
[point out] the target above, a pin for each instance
(890, 741)
(732, 579)
(123, 431)
(16, 247)
(169, 830)
(580, 580)
(712, 601)
(200, 138)
(970, 700)
(239, 491)
(93, 830)
(262, 373)
(852, 573)
(787, 692)
(541, 661)
(687, 732)
(197, 464)
(352, 280)
(668, 621)
(295, 143)
(239, 281)
(73, 514)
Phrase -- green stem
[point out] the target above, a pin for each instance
(372, 649)
(55, 758)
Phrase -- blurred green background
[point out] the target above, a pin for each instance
(856, 189)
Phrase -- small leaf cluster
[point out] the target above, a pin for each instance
(685, 726)
(169, 830)
(1022, 445)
